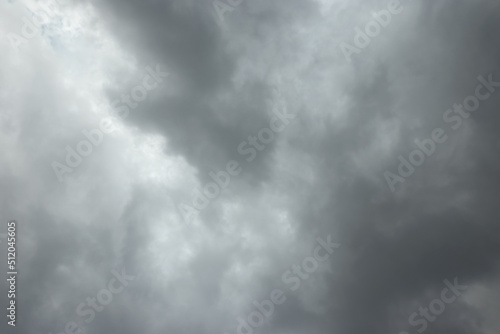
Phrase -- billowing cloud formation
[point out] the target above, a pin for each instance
(183, 166)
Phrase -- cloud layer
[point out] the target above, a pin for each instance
(123, 208)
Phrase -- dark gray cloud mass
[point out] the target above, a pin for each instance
(341, 123)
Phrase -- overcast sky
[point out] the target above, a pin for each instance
(117, 116)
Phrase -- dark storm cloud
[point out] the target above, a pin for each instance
(443, 223)
(206, 116)
(323, 175)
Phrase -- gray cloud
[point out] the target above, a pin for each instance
(322, 175)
